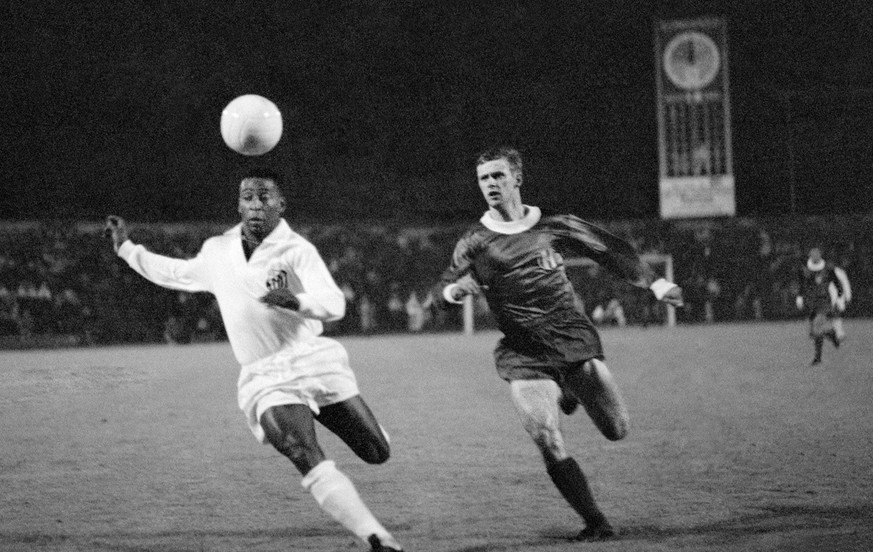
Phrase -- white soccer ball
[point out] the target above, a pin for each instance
(251, 125)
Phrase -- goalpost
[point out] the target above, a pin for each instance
(581, 272)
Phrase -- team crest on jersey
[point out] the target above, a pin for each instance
(277, 279)
(549, 259)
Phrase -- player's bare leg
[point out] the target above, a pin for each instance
(353, 422)
(818, 346)
(598, 392)
(537, 404)
(568, 402)
(818, 328)
(291, 430)
(833, 336)
(839, 332)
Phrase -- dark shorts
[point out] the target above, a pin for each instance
(820, 323)
(548, 348)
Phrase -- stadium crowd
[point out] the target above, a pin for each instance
(60, 283)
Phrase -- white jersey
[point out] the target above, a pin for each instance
(840, 300)
(254, 329)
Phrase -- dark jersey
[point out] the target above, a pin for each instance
(520, 265)
(814, 287)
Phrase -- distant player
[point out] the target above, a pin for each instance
(550, 352)
(274, 292)
(824, 294)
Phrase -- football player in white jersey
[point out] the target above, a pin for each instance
(550, 352)
(274, 291)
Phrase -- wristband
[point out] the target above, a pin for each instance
(660, 287)
(447, 294)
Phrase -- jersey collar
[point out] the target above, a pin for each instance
(815, 267)
(281, 232)
(531, 217)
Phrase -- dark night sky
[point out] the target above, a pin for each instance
(114, 106)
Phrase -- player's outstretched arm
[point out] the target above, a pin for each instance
(116, 231)
(190, 275)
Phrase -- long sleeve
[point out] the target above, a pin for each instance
(604, 248)
(180, 274)
(841, 282)
(321, 298)
(459, 267)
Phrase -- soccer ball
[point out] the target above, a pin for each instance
(251, 125)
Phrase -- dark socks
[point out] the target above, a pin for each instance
(819, 343)
(570, 481)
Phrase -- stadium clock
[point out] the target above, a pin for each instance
(691, 60)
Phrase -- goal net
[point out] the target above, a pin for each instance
(608, 300)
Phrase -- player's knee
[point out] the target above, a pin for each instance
(616, 433)
(299, 451)
(378, 453)
(617, 430)
(550, 442)
(372, 448)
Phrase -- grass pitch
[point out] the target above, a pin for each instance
(736, 443)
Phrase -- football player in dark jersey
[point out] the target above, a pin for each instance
(824, 294)
(550, 352)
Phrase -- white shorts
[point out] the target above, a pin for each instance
(315, 374)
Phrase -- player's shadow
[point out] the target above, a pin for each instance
(771, 519)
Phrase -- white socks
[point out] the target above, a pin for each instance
(336, 495)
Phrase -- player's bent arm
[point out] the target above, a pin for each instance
(179, 274)
(846, 292)
(314, 287)
(311, 308)
(457, 281)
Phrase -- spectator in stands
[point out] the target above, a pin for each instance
(710, 298)
(396, 309)
(367, 312)
(612, 313)
(9, 319)
(69, 313)
(181, 319)
(350, 323)
(415, 313)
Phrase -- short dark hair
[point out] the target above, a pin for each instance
(265, 174)
(512, 156)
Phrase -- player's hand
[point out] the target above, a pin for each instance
(799, 302)
(465, 286)
(281, 297)
(284, 277)
(116, 230)
(674, 297)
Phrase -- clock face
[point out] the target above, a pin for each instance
(691, 60)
